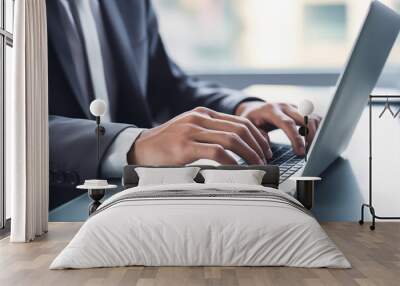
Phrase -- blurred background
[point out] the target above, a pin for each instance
(243, 42)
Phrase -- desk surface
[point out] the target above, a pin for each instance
(345, 183)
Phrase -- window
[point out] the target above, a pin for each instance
(6, 43)
(254, 35)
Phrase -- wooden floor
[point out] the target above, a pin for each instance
(375, 257)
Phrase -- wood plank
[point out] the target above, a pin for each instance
(375, 257)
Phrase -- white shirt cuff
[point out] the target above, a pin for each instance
(116, 156)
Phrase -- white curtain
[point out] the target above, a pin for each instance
(27, 124)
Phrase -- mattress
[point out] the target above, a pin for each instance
(201, 225)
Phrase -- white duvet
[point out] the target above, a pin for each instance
(185, 230)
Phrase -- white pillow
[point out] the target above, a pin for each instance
(166, 176)
(243, 177)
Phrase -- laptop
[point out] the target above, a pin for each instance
(363, 68)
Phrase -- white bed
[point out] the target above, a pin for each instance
(221, 225)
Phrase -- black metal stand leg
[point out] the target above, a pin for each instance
(361, 221)
(93, 206)
(96, 196)
(372, 211)
(374, 216)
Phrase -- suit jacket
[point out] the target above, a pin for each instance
(148, 84)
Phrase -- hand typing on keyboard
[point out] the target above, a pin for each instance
(201, 134)
(269, 116)
(206, 134)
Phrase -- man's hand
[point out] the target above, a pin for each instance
(269, 116)
(201, 133)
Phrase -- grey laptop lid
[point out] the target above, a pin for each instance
(357, 81)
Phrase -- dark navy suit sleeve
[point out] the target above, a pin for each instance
(168, 86)
(73, 145)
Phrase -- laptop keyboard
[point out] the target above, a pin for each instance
(288, 162)
(284, 157)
